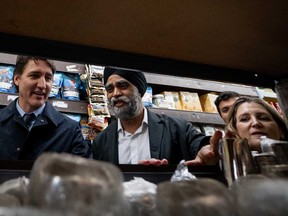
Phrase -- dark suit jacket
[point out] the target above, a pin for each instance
(171, 138)
(51, 132)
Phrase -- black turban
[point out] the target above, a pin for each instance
(137, 78)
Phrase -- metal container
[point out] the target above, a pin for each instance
(236, 159)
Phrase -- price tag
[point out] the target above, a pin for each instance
(60, 104)
(11, 97)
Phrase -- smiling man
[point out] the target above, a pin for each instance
(30, 125)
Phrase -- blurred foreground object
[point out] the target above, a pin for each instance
(257, 196)
(196, 197)
(71, 183)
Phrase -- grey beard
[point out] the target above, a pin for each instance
(128, 111)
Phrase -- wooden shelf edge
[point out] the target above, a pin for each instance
(197, 84)
(194, 117)
(61, 66)
(67, 106)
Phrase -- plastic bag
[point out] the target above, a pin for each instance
(182, 173)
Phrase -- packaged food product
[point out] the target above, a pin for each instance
(168, 96)
(147, 97)
(177, 101)
(207, 102)
(190, 101)
(160, 101)
(157, 99)
(6, 78)
(57, 85)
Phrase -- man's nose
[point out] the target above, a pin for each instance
(116, 92)
(41, 82)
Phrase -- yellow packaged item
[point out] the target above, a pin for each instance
(177, 101)
(169, 99)
(190, 101)
(207, 102)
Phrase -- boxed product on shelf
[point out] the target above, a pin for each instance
(207, 102)
(176, 99)
(147, 97)
(168, 96)
(6, 79)
(190, 101)
(160, 102)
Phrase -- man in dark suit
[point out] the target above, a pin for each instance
(139, 136)
(30, 125)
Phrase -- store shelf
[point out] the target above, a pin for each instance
(267, 94)
(67, 106)
(62, 66)
(197, 84)
(194, 117)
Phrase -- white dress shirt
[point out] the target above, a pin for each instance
(134, 147)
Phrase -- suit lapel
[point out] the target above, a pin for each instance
(155, 134)
(112, 140)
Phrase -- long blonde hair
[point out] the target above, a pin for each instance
(244, 99)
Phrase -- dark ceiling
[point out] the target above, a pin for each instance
(202, 38)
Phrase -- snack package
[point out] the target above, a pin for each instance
(71, 86)
(6, 79)
(56, 86)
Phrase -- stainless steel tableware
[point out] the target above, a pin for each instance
(236, 159)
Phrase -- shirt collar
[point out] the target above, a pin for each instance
(145, 121)
(36, 112)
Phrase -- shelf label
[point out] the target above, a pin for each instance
(11, 97)
(72, 68)
(60, 104)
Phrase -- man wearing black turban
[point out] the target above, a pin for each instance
(140, 136)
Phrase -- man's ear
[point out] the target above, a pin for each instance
(15, 79)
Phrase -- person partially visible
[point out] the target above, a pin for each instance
(224, 102)
(249, 118)
(139, 136)
(45, 129)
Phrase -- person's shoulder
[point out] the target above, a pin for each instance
(108, 131)
(8, 111)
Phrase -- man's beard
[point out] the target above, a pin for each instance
(130, 108)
